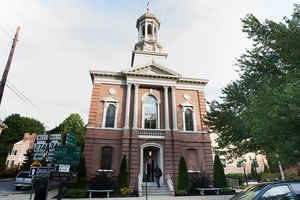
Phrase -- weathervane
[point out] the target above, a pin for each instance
(148, 3)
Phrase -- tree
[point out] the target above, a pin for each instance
(259, 112)
(219, 178)
(183, 177)
(17, 126)
(123, 174)
(28, 160)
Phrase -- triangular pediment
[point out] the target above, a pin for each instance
(151, 69)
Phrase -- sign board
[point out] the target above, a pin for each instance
(40, 147)
(64, 168)
(67, 155)
(55, 137)
(38, 156)
(68, 177)
(41, 137)
(40, 172)
(35, 163)
(52, 145)
(71, 139)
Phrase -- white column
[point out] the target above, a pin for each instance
(135, 108)
(167, 127)
(104, 114)
(174, 109)
(127, 109)
(194, 120)
(146, 30)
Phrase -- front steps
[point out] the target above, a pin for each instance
(153, 190)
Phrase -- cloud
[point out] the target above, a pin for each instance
(60, 40)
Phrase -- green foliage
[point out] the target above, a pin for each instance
(219, 179)
(75, 193)
(181, 192)
(240, 177)
(123, 175)
(17, 126)
(298, 172)
(259, 111)
(183, 177)
(266, 169)
(28, 160)
(253, 172)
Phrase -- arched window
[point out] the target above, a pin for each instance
(110, 116)
(143, 30)
(149, 29)
(189, 122)
(150, 112)
(106, 158)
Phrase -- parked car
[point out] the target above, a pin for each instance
(285, 190)
(23, 179)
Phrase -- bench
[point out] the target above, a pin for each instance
(91, 191)
(202, 190)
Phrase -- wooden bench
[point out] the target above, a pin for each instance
(202, 190)
(91, 191)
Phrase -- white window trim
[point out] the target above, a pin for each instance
(150, 93)
(185, 106)
(110, 101)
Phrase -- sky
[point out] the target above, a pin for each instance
(61, 40)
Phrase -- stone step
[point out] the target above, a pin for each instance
(153, 190)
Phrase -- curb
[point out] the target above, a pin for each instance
(6, 179)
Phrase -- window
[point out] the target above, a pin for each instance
(106, 157)
(110, 116)
(188, 117)
(239, 164)
(110, 112)
(150, 112)
(277, 192)
(149, 29)
(10, 163)
(13, 152)
(189, 125)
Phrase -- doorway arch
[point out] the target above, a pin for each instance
(157, 151)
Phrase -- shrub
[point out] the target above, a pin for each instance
(198, 180)
(253, 172)
(183, 177)
(75, 193)
(264, 177)
(123, 175)
(299, 172)
(181, 192)
(102, 181)
(219, 179)
(241, 177)
(126, 191)
(266, 169)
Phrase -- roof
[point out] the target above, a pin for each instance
(147, 15)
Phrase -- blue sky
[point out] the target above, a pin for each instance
(61, 40)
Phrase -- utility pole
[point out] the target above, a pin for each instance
(5, 73)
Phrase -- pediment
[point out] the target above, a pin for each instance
(151, 69)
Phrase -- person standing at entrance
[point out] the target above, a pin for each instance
(158, 174)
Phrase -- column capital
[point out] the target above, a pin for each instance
(136, 85)
(129, 84)
(166, 87)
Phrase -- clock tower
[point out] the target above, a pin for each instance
(147, 49)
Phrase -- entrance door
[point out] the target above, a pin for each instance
(151, 160)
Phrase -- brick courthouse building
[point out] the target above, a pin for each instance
(149, 113)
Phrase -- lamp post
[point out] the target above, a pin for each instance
(245, 174)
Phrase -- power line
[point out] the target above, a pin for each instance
(20, 94)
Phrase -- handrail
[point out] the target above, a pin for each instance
(170, 185)
(140, 189)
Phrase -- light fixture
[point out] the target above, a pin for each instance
(150, 153)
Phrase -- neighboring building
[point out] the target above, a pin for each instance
(236, 166)
(16, 156)
(149, 113)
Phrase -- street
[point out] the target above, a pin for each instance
(7, 187)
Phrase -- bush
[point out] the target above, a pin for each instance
(8, 173)
(219, 179)
(102, 181)
(266, 169)
(241, 177)
(253, 172)
(299, 172)
(227, 191)
(198, 180)
(181, 192)
(183, 177)
(123, 175)
(75, 193)
(264, 177)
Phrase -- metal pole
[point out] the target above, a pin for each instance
(246, 178)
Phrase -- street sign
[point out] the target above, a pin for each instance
(42, 137)
(38, 156)
(40, 147)
(55, 137)
(67, 155)
(64, 168)
(40, 172)
(67, 177)
(71, 139)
